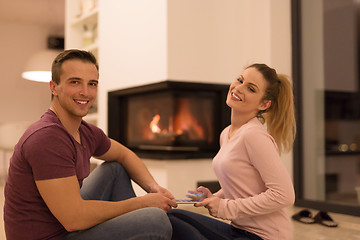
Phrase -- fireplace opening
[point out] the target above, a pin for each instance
(169, 120)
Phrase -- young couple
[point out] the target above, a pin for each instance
(50, 193)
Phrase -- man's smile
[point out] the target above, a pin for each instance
(83, 102)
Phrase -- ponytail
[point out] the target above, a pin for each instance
(280, 119)
(280, 116)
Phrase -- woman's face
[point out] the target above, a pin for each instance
(246, 93)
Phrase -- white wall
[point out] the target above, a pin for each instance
(132, 40)
(212, 41)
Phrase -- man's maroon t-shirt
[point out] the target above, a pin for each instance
(45, 151)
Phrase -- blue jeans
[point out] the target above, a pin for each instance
(192, 226)
(111, 182)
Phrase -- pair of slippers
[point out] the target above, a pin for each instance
(323, 218)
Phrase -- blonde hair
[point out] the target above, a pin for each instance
(280, 116)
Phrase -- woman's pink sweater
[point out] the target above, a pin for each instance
(256, 188)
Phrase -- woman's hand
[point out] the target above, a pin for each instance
(200, 194)
(212, 205)
(207, 200)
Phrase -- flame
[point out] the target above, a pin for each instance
(185, 122)
(154, 124)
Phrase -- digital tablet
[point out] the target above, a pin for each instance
(186, 201)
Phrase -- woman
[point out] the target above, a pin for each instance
(256, 188)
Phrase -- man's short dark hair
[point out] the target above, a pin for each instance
(82, 55)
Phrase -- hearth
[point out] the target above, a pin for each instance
(169, 119)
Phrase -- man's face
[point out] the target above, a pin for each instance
(77, 89)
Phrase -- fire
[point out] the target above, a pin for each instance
(184, 124)
(154, 124)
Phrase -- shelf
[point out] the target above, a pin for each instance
(92, 47)
(339, 153)
(85, 17)
(81, 32)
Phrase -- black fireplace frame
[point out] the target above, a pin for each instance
(117, 106)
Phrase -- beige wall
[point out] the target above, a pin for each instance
(20, 99)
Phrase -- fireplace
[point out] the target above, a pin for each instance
(170, 119)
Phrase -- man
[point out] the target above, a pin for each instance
(45, 197)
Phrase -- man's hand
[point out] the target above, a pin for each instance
(158, 200)
(158, 189)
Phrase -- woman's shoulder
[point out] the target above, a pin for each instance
(255, 131)
(254, 126)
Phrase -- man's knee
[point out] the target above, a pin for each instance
(156, 222)
(114, 168)
(155, 216)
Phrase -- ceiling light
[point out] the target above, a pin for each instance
(38, 67)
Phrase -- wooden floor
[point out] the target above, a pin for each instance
(349, 226)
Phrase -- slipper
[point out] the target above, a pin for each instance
(324, 219)
(304, 216)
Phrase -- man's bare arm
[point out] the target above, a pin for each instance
(62, 196)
